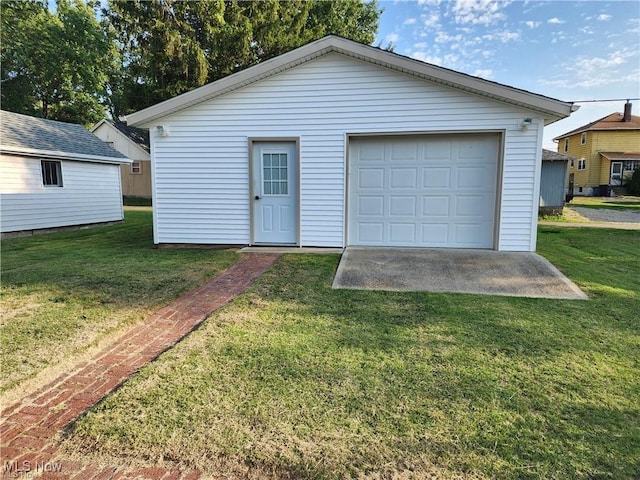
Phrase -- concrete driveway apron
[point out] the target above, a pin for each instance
(487, 272)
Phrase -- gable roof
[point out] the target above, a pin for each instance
(551, 108)
(612, 121)
(31, 136)
(139, 136)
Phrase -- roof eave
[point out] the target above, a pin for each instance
(58, 155)
(552, 109)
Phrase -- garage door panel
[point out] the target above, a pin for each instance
(402, 233)
(401, 152)
(435, 234)
(371, 152)
(371, 178)
(437, 150)
(430, 191)
(470, 206)
(471, 177)
(433, 205)
(371, 206)
(371, 233)
(436, 177)
(401, 206)
(403, 178)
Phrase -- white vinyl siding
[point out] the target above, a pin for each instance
(201, 168)
(90, 194)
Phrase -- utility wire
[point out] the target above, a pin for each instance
(608, 100)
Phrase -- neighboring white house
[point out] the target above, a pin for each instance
(55, 174)
(133, 143)
(338, 143)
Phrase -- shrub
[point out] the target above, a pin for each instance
(634, 183)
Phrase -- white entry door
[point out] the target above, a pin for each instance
(423, 191)
(616, 173)
(274, 193)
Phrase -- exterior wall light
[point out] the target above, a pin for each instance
(526, 123)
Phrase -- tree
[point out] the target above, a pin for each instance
(634, 182)
(54, 65)
(171, 46)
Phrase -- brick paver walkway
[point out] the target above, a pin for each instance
(28, 444)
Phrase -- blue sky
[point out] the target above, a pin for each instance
(568, 50)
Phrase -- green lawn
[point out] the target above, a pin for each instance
(613, 203)
(62, 293)
(296, 380)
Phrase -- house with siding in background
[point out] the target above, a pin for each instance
(340, 144)
(55, 174)
(607, 152)
(134, 144)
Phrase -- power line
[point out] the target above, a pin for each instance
(607, 100)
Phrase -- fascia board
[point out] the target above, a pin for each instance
(58, 155)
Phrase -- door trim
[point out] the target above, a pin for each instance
(616, 162)
(250, 143)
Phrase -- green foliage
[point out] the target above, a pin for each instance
(634, 183)
(170, 47)
(54, 65)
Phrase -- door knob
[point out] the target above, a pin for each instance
(257, 197)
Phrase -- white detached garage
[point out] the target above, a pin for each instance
(337, 143)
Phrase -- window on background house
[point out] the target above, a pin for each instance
(51, 173)
(582, 164)
(566, 144)
(583, 138)
(136, 167)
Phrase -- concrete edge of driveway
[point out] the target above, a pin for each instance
(484, 272)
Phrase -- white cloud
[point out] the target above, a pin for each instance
(590, 72)
(429, 2)
(430, 20)
(556, 21)
(597, 63)
(409, 21)
(392, 38)
(420, 45)
(504, 36)
(424, 57)
(532, 24)
(603, 17)
(482, 12)
(444, 37)
(484, 73)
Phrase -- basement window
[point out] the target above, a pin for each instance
(583, 138)
(136, 168)
(51, 173)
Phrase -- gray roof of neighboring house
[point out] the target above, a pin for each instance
(139, 136)
(551, 156)
(31, 133)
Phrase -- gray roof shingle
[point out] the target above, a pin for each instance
(551, 156)
(23, 131)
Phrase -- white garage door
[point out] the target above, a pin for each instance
(423, 191)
